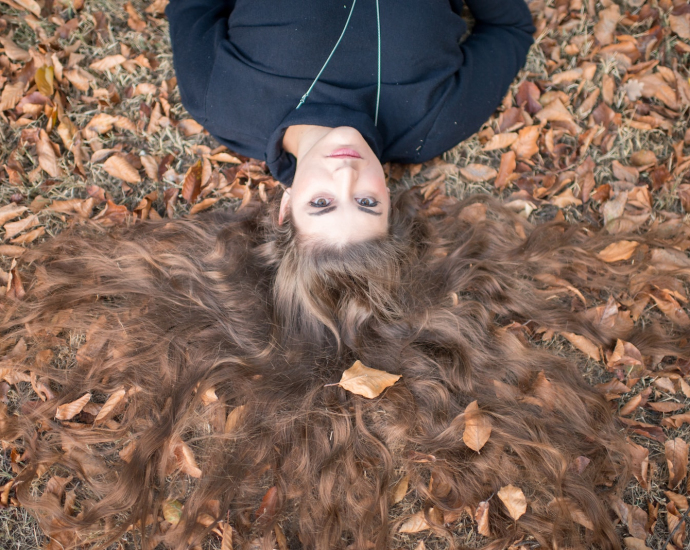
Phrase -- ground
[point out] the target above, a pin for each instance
(594, 129)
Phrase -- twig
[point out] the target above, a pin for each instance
(670, 535)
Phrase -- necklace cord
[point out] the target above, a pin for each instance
(378, 81)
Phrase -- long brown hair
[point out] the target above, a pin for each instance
(224, 335)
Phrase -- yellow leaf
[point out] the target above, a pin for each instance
(113, 401)
(514, 500)
(172, 511)
(366, 382)
(70, 410)
(44, 80)
(618, 251)
(477, 427)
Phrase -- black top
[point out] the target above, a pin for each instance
(243, 65)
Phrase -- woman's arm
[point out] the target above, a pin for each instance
(492, 56)
(197, 27)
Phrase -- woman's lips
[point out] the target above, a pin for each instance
(345, 153)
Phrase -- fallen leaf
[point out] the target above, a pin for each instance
(185, 459)
(606, 26)
(676, 451)
(514, 500)
(631, 543)
(585, 345)
(190, 127)
(680, 24)
(172, 511)
(30, 5)
(118, 167)
(481, 516)
(70, 410)
(14, 228)
(573, 510)
(14, 52)
(526, 146)
(640, 463)
(635, 402)
(666, 303)
(225, 157)
(109, 406)
(506, 170)
(415, 524)
(267, 509)
(191, 186)
(47, 159)
(500, 141)
(643, 158)
(44, 80)
(10, 211)
(11, 94)
(555, 111)
(478, 172)
(233, 419)
(680, 502)
(369, 383)
(635, 518)
(400, 490)
(107, 63)
(618, 251)
(477, 427)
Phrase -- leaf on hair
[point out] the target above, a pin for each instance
(477, 427)
(69, 410)
(514, 500)
(367, 382)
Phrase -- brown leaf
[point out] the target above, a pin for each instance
(190, 127)
(569, 508)
(29, 237)
(109, 406)
(70, 410)
(555, 111)
(203, 205)
(118, 167)
(47, 159)
(680, 24)
(369, 383)
(632, 516)
(478, 172)
(636, 401)
(108, 62)
(526, 145)
(640, 463)
(666, 303)
(267, 509)
(400, 490)
(10, 211)
(606, 26)
(643, 158)
(30, 5)
(481, 516)
(101, 123)
(11, 251)
(225, 157)
(477, 427)
(415, 524)
(11, 94)
(676, 452)
(527, 96)
(14, 228)
(585, 345)
(631, 543)
(500, 141)
(506, 170)
(112, 214)
(14, 52)
(233, 419)
(192, 182)
(79, 78)
(514, 500)
(618, 251)
(680, 502)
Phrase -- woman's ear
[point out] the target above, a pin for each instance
(284, 206)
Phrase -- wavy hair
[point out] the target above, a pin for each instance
(224, 336)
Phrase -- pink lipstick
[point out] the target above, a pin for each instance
(345, 153)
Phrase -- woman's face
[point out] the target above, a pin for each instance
(339, 192)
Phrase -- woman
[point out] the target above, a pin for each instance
(204, 355)
(325, 91)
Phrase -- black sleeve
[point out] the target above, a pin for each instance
(197, 27)
(492, 56)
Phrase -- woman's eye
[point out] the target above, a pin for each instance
(369, 203)
(320, 203)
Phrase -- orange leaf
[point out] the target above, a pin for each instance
(113, 401)
(526, 144)
(636, 401)
(267, 508)
(192, 182)
(185, 459)
(506, 170)
(585, 345)
(366, 382)
(10, 211)
(500, 141)
(70, 410)
(481, 516)
(631, 543)
(47, 159)
(108, 62)
(618, 251)
(225, 157)
(118, 167)
(680, 24)
(514, 500)
(14, 228)
(477, 427)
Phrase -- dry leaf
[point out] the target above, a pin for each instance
(668, 304)
(585, 345)
(631, 543)
(70, 410)
(118, 167)
(635, 402)
(11, 94)
(185, 459)
(14, 228)
(632, 516)
(643, 158)
(676, 452)
(500, 141)
(477, 427)
(233, 419)
(618, 251)
(478, 172)
(506, 170)
(680, 24)
(10, 211)
(225, 157)
(606, 26)
(514, 500)
(14, 52)
(481, 516)
(172, 511)
(526, 146)
(267, 509)
(190, 127)
(109, 406)
(47, 159)
(640, 463)
(192, 182)
(108, 62)
(400, 490)
(415, 524)
(369, 383)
